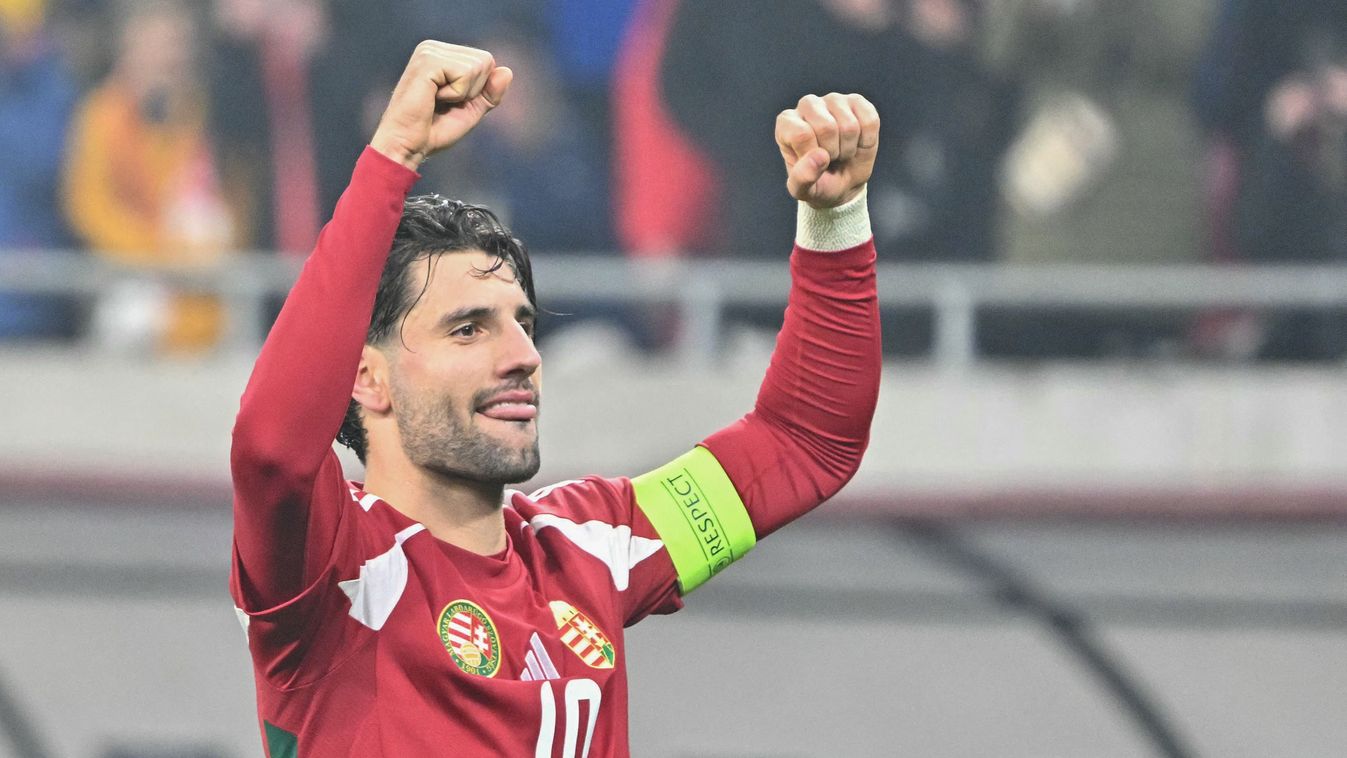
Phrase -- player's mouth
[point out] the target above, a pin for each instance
(514, 405)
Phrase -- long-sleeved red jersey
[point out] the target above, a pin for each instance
(370, 637)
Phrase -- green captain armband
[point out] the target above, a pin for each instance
(697, 513)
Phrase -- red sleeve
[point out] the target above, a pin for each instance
(809, 428)
(288, 488)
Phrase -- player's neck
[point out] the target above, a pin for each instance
(463, 513)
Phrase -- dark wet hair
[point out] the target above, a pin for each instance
(431, 226)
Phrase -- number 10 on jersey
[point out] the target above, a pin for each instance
(576, 692)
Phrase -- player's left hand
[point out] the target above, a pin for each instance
(829, 145)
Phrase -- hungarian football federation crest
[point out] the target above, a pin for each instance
(470, 637)
(583, 636)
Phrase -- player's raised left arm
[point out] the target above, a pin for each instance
(810, 425)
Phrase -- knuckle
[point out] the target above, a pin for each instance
(860, 103)
(427, 48)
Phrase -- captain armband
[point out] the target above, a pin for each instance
(698, 515)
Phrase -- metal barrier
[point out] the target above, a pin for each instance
(702, 288)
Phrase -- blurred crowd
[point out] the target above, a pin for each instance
(163, 135)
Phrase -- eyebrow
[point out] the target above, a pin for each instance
(479, 312)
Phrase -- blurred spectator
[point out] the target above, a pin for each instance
(947, 118)
(36, 100)
(724, 77)
(532, 160)
(953, 125)
(141, 185)
(1103, 170)
(262, 118)
(652, 153)
(536, 164)
(1272, 94)
(1109, 129)
(586, 36)
(291, 84)
(79, 29)
(298, 77)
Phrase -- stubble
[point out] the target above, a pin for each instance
(440, 436)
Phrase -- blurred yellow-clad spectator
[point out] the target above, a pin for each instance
(22, 17)
(141, 186)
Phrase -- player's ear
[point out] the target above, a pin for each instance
(371, 381)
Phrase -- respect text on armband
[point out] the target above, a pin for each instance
(701, 517)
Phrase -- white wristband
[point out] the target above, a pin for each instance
(832, 229)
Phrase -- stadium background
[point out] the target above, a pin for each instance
(1103, 513)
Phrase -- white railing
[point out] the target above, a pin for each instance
(702, 288)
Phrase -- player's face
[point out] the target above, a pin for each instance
(463, 377)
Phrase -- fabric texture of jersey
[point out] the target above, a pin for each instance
(407, 645)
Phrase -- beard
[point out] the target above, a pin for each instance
(446, 439)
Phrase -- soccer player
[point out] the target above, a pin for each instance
(429, 611)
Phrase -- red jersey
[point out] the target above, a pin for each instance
(370, 637)
(410, 646)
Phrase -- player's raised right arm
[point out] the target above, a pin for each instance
(287, 481)
(806, 435)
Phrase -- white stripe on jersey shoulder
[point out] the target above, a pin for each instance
(545, 491)
(365, 502)
(616, 546)
(382, 580)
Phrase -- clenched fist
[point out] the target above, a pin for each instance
(829, 146)
(444, 91)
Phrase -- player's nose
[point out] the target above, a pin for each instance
(518, 353)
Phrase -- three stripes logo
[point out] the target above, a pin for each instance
(470, 637)
(583, 636)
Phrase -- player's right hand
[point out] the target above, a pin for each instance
(444, 91)
(829, 145)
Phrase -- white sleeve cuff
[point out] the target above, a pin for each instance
(832, 229)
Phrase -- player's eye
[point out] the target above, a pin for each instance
(527, 323)
(465, 330)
